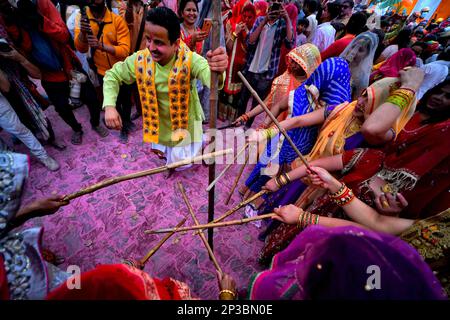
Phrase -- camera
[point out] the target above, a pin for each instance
(75, 88)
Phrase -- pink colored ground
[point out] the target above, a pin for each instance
(107, 226)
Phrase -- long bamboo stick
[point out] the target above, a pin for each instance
(201, 235)
(212, 184)
(141, 263)
(213, 225)
(111, 181)
(283, 132)
(238, 177)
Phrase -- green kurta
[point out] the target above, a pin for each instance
(124, 72)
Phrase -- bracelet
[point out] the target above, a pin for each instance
(345, 198)
(271, 132)
(227, 293)
(402, 98)
(339, 192)
(300, 219)
(245, 117)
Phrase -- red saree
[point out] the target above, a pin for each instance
(122, 282)
(417, 164)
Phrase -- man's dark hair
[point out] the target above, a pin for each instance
(403, 38)
(303, 22)
(182, 4)
(338, 26)
(333, 9)
(166, 18)
(384, 23)
(349, 2)
(311, 5)
(357, 23)
(380, 34)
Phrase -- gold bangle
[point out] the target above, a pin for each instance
(226, 292)
(300, 219)
(339, 192)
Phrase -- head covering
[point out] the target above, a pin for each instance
(360, 71)
(434, 74)
(346, 263)
(332, 81)
(292, 12)
(398, 61)
(261, 8)
(122, 282)
(331, 140)
(238, 9)
(306, 56)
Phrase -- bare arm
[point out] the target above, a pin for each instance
(14, 55)
(376, 128)
(357, 210)
(306, 120)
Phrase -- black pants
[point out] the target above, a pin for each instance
(59, 92)
(123, 103)
(262, 87)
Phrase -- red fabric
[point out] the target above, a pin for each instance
(241, 53)
(56, 30)
(292, 12)
(391, 67)
(188, 40)
(261, 8)
(337, 47)
(119, 282)
(4, 288)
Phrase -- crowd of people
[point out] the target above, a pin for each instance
(364, 97)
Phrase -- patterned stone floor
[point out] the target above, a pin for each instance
(107, 226)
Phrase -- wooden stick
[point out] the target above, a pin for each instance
(240, 205)
(213, 225)
(111, 181)
(213, 99)
(212, 184)
(144, 260)
(236, 181)
(264, 106)
(201, 235)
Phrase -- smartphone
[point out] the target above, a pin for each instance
(4, 46)
(207, 25)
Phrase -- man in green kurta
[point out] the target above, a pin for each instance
(165, 74)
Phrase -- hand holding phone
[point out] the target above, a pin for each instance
(207, 25)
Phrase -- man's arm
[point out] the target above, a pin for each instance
(121, 72)
(253, 35)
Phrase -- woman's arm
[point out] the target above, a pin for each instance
(333, 163)
(377, 127)
(357, 210)
(14, 55)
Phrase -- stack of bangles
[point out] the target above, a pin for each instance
(402, 97)
(245, 117)
(343, 196)
(271, 132)
(305, 219)
(227, 295)
(282, 180)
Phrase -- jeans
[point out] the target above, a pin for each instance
(10, 122)
(59, 92)
(262, 87)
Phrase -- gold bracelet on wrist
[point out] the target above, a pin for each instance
(339, 192)
(227, 294)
